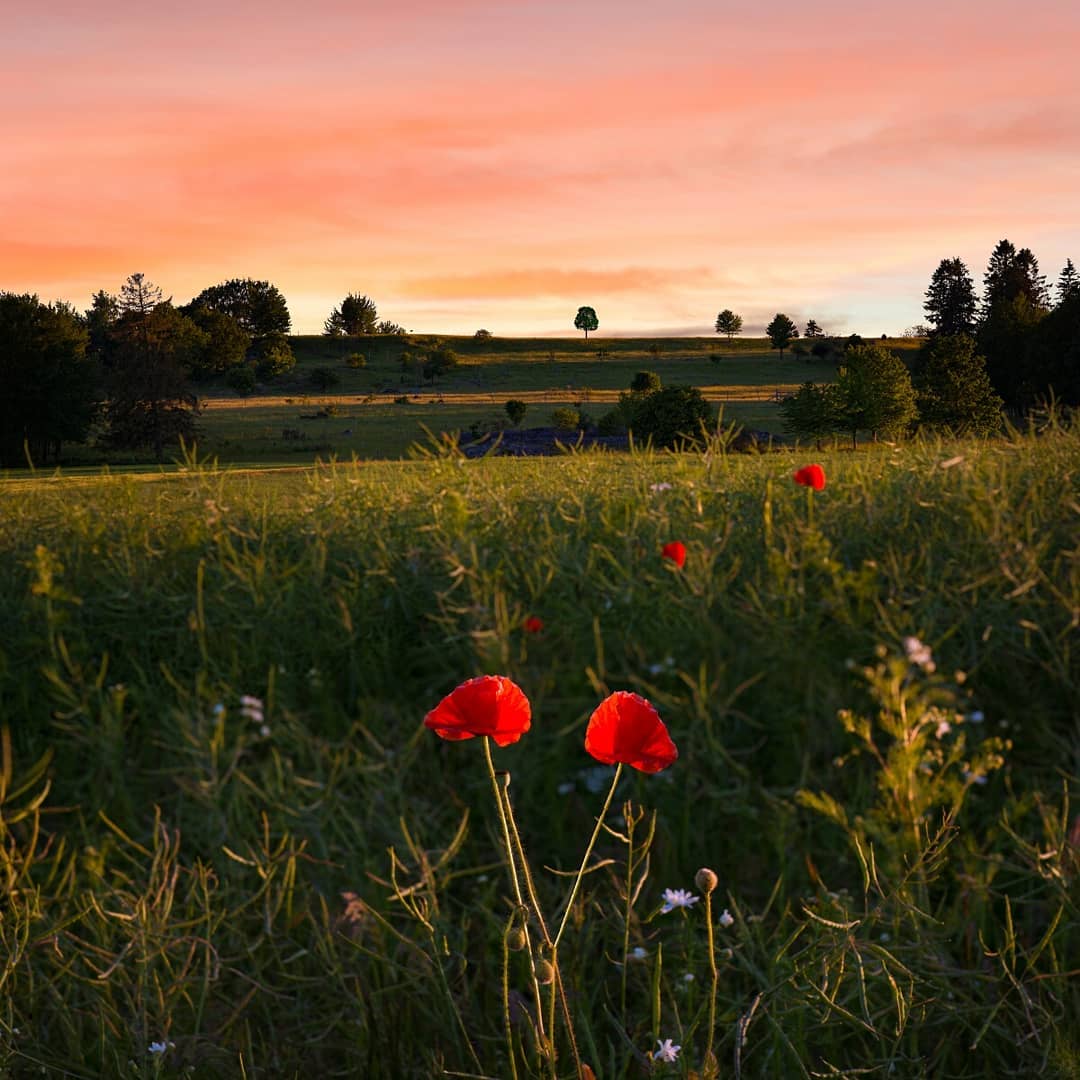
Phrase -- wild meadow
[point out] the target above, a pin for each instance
(229, 845)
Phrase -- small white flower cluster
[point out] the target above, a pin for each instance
(160, 1047)
(677, 898)
(251, 708)
(726, 919)
(667, 1050)
(919, 653)
(662, 486)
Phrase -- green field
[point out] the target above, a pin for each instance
(318, 887)
(280, 423)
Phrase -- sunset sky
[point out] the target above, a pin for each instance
(497, 164)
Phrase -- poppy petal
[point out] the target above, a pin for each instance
(812, 476)
(676, 552)
(625, 728)
(488, 705)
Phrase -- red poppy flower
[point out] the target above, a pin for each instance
(533, 624)
(489, 705)
(676, 552)
(811, 476)
(626, 728)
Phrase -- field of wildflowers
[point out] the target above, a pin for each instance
(613, 766)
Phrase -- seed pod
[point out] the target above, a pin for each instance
(515, 939)
(545, 973)
(706, 880)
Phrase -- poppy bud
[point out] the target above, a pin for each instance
(515, 939)
(706, 880)
(545, 973)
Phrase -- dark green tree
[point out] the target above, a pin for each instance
(874, 393)
(645, 382)
(139, 296)
(49, 389)
(953, 388)
(323, 378)
(727, 322)
(227, 342)
(99, 319)
(812, 412)
(950, 300)
(515, 411)
(813, 330)
(781, 331)
(1068, 284)
(389, 328)
(1011, 274)
(586, 320)
(335, 324)
(671, 417)
(438, 361)
(151, 350)
(257, 306)
(272, 356)
(358, 314)
(1052, 357)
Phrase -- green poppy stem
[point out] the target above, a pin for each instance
(588, 852)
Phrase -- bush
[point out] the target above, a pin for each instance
(482, 335)
(611, 423)
(272, 355)
(515, 411)
(356, 360)
(672, 417)
(323, 378)
(566, 419)
(645, 382)
(241, 379)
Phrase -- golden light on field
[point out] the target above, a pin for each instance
(498, 164)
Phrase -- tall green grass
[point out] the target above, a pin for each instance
(321, 892)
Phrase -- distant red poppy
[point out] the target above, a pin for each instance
(533, 624)
(811, 476)
(626, 728)
(676, 552)
(488, 705)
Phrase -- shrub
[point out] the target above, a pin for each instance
(515, 411)
(612, 423)
(272, 356)
(323, 378)
(672, 416)
(241, 379)
(645, 382)
(566, 419)
(482, 335)
(356, 360)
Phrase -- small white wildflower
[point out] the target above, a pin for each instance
(264, 731)
(638, 953)
(662, 486)
(655, 669)
(251, 708)
(943, 729)
(688, 977)
(565, 788)
(667, 1050)
(884, 936)
(160, 1047)
(918, 653)
(973, 778)
(218, 709)
(726, 919)
(249, 702)
(677, 898)
(976, 717)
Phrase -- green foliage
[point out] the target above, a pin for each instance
(257, 306)
(727, 322)
(875, 393)
(482, 335)
(645, 382)
(324, 378)
(356, 361)
(954, 391)
(781, 331)
(438, 361)
(1052, 356)
(272, 356)
(586, 320)
(1068, 283)
(813, 330)
(388, 328)
(566, 419)
(227, 343)
(671, 417)
(242, 379)
(50, 390)
(813, 412)
(515, 411)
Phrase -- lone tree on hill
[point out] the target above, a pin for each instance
(727, 322)
(875, 392)
(813, 330)
(586, 320)
(782, 331)
(950, 300)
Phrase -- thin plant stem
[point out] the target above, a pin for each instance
(517, 891)
(715, 975)
(507, 1025)
(629, 908)
(588, 852)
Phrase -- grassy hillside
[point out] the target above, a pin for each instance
(183, 869)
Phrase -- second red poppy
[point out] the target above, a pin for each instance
(675, 552)
(812, 476)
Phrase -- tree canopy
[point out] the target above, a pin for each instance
(727, 322)
(950, 300)
(954, 390)
(586, 320)
(875, 392)
(781, 331)
(257, 306)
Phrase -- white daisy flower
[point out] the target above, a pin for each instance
(677, 898)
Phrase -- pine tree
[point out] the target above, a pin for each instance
(1068, 283)
(950, 300)
(954, 389)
